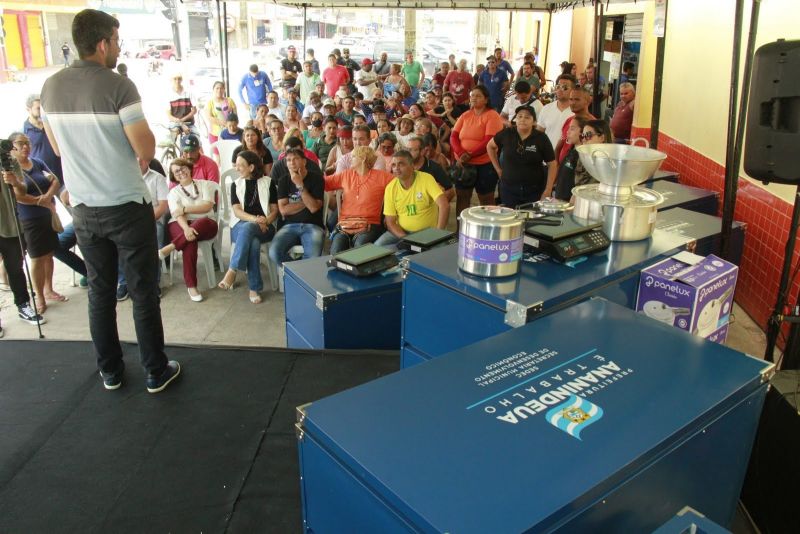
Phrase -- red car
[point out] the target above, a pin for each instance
(160, 50)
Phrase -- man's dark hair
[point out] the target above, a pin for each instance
(405, 154)
(522, 87)
(291, 143)
(89, 27)
(332, 119)
(295, 152)
(628, 65)
(358, 95)
(568, 77)
(310, 52)
(429, 140)
(254, 68)
(362, 128)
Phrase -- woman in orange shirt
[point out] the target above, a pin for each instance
(472, 132)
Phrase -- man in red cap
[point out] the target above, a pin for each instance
(367, 77)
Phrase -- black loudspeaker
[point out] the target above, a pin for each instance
(771, 151)
(772, 486)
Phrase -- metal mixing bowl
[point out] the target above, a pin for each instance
(620, 165)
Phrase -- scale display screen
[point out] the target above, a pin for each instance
(363, 254)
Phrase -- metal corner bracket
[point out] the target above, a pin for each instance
(768, 372)
(323, 300)
(519, 314)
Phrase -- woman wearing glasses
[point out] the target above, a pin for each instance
(572, 173)
(525, 152)
(35, 191)
(191, 203)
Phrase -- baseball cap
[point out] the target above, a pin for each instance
(190, 142)
(291, 47)
(344, 132)
(367, 61)
(328, 102)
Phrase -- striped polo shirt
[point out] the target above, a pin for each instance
(86, 107)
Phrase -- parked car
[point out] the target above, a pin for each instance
(161, 50)
(201, 83)
(395, 50)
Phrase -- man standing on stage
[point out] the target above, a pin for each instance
(94, 120)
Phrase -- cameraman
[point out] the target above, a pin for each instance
(11, 249)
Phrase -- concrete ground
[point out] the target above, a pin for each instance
(225, 317)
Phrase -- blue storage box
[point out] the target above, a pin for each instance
(704, 231)
(328, 309)
(685, 196)
(592, 419)
(445, 308)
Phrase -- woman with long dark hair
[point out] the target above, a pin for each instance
(252, 141)
(254, 203)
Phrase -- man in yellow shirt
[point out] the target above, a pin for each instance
(413, 201)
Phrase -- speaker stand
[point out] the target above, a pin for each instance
(777, 318)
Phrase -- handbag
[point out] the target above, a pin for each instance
(353, 226)
(55, 220)
(464, 175)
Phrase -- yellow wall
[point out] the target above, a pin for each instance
(14, 56)
(694, 106)
(582, 37)
(558, 48)
(36, 39)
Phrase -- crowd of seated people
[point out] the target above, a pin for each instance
(378, 146)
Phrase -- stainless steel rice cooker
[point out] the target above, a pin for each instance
(490, 241)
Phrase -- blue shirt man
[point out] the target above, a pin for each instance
(41, 148)
(495, 80)
(257, 84)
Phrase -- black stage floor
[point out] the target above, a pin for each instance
(215, 452)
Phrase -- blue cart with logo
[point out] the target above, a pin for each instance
(592, 419)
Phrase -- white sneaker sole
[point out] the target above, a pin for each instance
(165, 384)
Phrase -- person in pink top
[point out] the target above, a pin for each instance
(459, 83)
(335, 76)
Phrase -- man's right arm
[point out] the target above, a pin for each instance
(243, 85)
(141, 139)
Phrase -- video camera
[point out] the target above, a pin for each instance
(6, 161)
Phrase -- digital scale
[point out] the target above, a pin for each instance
(365, 260)
(427, 239)
(572, 238)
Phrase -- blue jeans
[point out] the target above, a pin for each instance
(67, 240)
(159, 237)
(310, 236)
(388, 239)
(109, 236)
(247, 239)
(341, 241)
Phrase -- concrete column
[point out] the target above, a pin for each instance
(410, 16)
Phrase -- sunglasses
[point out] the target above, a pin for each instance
(588, 135)
(564, 87)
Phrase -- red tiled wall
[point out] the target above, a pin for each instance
(767, 216)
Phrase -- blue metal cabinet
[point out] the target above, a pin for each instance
(591, 419)
(685, 196)
(670, 176)
(445, 308)
(704, 231)
(328, 309)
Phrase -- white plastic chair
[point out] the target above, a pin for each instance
(224, 210)
(205, 247)
(225, 147)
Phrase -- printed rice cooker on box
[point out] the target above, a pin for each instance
(692, 292)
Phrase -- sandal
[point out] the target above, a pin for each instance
(255, 299)
(56, 297)
(227, 286)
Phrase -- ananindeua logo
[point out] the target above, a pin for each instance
(574, 415)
